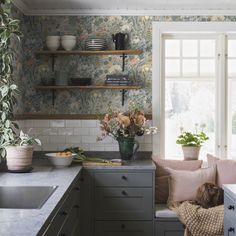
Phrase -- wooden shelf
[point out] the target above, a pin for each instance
(44, 116)
(123, 89)
(86, 53)
(115, 87)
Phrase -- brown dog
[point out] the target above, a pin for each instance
(209, 195)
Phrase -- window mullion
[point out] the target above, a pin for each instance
(221, 98)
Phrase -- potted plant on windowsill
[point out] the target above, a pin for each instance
(191, 142)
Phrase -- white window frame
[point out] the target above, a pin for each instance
(158, 83)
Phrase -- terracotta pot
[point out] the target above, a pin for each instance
(191, 153)
(19, 158)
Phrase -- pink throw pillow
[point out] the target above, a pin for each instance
(225, 170)
(162, 175)
(183, 184)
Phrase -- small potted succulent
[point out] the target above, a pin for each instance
(20, 152)
(191, 142)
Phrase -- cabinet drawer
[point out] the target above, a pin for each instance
(123, 203)
(128, 179)
(230, 207)
(69, 224)
(123, 228)
(229, 227)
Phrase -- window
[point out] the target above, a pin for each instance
(190, 65)
(194, 83)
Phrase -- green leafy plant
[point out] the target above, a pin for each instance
(24, 139)
(9, 29)
(192, 139)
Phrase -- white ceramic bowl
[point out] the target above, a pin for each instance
(68, 37)
(53, 45)
(68, 44)
(53, 38)
(60, 161)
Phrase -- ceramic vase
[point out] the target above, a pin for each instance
(128, 146)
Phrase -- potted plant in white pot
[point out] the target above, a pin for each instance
(20, 152)
(11, 145)
(191, 143)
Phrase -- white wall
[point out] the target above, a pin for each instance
(56, 135)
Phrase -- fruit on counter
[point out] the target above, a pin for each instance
(64, 154)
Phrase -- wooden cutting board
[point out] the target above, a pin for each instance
(90, 163)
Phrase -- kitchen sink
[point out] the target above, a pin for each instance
(25, 197)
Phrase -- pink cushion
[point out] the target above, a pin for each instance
(225, 170)
(162, 175)
(183, 184)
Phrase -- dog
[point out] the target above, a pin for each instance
(209, 195)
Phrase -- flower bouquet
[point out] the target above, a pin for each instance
(123, 127)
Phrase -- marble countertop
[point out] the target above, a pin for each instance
(30, 222)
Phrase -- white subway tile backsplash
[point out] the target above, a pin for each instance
(107, 140)
(96, 147)
(89, 139)
(73, 123)
(57, 123)
(94, 131)
(41, 123)
(56, 135)
(55, 139)
(65, 131)
(111, 147)
(81, 131)
(84, 146)
(74, 139)
(43, 139)
(50, 147)
(29, 124)
(89, 123)
(50, 131)
(148, 139)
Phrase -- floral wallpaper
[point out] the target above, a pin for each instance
(138, 67)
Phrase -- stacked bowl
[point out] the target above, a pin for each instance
(68, 42)
(53, 42)
(95, 44)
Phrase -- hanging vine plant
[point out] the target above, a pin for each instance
(9, 29)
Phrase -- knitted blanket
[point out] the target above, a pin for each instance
(200, 221)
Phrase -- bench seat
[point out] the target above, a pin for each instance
(167, 222)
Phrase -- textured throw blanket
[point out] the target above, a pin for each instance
(200, 221)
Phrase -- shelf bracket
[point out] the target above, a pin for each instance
(123, 61)
(123, 91)
(53, 97)
(53, 62)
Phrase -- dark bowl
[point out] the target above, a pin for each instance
(80, 81)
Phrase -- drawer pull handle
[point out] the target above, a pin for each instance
(124, 193)
(63, 235)
(123, 226)
(81, 179)
(124, 177)
(231, 229)
(231, 207)
(77, 188)
(76, 206)
(63, 213)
